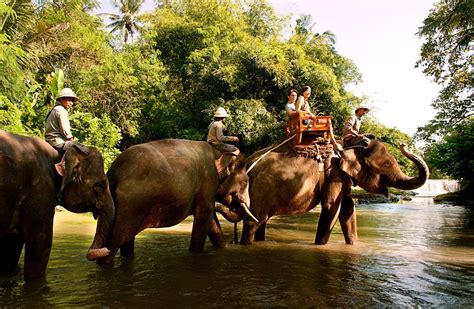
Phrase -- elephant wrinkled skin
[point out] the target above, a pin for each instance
(160, 183)
(30, 187)
(286, 184)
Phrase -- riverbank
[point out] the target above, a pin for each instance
(363, 197)
(464, 198)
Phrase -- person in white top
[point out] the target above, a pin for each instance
(216, 137)
(58, 129)
(290, 106)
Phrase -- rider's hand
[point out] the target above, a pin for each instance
(236, 139)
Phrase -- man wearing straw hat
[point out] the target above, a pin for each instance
(58, 129)
(351, 134)
(216, 136)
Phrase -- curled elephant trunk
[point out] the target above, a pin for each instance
(235, 215)
(105, 221)
(411, 183)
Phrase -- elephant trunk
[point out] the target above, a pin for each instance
(228, 214)
(105, 221)
(411, 183)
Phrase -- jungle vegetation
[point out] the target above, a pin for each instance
(162, 74)
(447, 56)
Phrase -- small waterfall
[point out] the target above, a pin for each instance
(434, 187)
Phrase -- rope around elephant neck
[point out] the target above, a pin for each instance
(271, 149)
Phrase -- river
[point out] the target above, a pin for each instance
(412, 254)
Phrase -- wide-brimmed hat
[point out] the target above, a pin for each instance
(67, 93)
(221, 112)
(362, 106)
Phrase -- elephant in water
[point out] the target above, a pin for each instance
(283, 183)
(160, 183)
(31, 184)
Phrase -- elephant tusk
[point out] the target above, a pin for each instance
(247, 210)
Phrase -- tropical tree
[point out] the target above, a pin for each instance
(127, 20)
(447, 56)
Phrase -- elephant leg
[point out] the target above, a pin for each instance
(260, 233)
(203, 218)
(330, 206)
(12, 245)
(348, 220)
(236, 234)
(38, 244)
(215, 233)
(249, 230)
(128, 248)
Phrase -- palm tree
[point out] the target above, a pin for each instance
(127, 18)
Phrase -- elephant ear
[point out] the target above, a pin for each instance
(60, 167)
(83, 150)
(349, 163)
(223, 164)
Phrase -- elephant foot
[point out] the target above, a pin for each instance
(94, 254)
(320, 241)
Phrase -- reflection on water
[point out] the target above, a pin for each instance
(408, 254)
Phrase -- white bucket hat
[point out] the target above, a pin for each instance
(221, 112)
(67, 93)
(362, 106)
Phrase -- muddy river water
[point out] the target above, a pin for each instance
(410, 254)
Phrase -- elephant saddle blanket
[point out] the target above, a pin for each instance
(318, 150)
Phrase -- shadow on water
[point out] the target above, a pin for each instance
(408, 254)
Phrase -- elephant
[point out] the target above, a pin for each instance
(283, 183)
(160, 183)
(33, 179)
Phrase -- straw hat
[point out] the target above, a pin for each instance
(362, 107)
(221, 112)
(67, 93)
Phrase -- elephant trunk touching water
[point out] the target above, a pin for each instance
(285, 184)
(160, 183)
(31, 180)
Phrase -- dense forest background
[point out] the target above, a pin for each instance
(162, 74)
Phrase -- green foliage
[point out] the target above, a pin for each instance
(56, 83)
(392, 138)
(447, 56)
(11, 72)
(251, 122)
(127, 21)
(130, 87)
(98, 132)
(454, 155)
(10, 117)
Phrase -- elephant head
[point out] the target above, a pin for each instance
(234, 181)
(374, 169)
(85, 188)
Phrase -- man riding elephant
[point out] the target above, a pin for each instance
(351, 134)
(58, 129)
(216, 137)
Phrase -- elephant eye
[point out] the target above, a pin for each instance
(387, 164)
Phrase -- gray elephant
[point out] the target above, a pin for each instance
(31, 184)
(160, 183)
(283, 183)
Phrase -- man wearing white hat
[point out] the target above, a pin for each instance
(216, 136)
(351, 134)
(58, 129)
